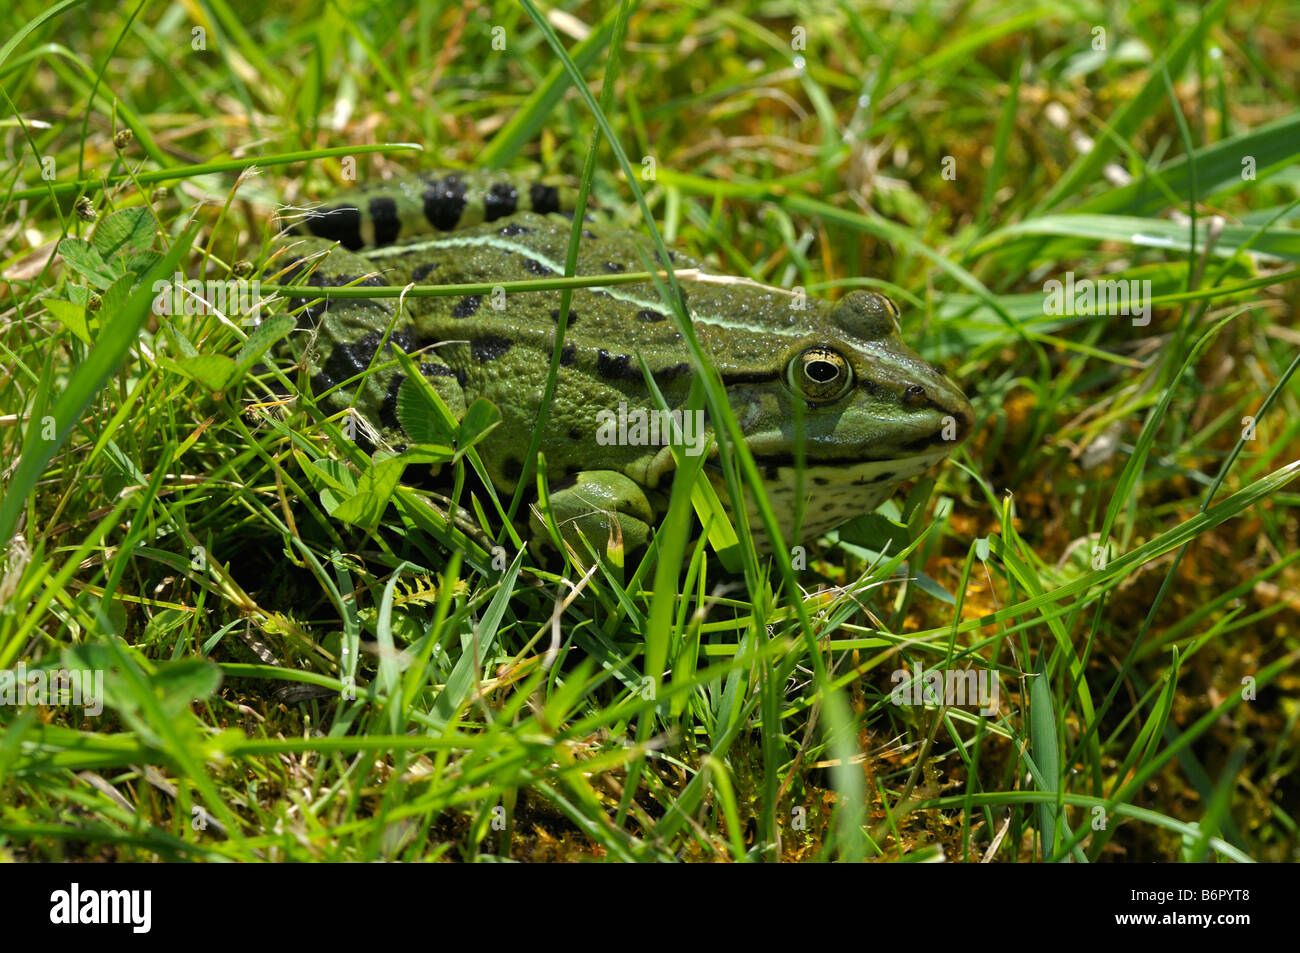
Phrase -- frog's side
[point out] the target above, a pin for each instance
(873, 412)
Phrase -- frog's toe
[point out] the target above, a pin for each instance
(605, 506)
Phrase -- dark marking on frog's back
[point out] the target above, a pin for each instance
(512, 468)
(751, 377)
(645, 314)
(614, 267)
(345, 361)
(388, 409)
(467, 306)
(436, 370)
(490, 347)
(573, 316)
(568, 354)
(339, 223)
(420, 272)
(615, 367)
(575, 433)
(536, 267)
(544, 198)
(444, 202)
(501, 200)
(511, 230)
(383, 213)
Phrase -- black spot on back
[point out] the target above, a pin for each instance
(511, 230)
(573, 316)
(568, 354)
(512, 468)
(614, 267)
(466, 306)
(341, 224)
(444, 202)
(536, 267)
(420, 272)
(616, 367)
(501, 200)
(388, 409)
(673, 372)
(645, 314)
(383, 213)
(489, 348)
(346, 361)
(544, 198)
(575, 433)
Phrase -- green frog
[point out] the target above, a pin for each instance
(872, 412)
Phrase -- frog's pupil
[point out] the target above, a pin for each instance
(823, 372)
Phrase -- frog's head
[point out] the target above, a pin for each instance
(873, 414)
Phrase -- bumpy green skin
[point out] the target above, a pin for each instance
(873, 412)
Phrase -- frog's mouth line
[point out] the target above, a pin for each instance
(848, 472)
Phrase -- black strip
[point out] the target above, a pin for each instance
(383, 213)
(489, 348)
(616, 367)
(544, 198)
(752, 377)
(388, 409)
(672, 373)
(501, 200)
(444, 202)
(466, 306)
(341, 224)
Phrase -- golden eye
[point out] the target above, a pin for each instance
(820, 374)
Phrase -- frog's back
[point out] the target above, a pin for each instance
(434, 201)
(868, 411)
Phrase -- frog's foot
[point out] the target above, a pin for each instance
(603, 506)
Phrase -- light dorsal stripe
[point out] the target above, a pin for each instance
(882, 355)
(615, 292)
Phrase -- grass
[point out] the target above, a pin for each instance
(304, 660)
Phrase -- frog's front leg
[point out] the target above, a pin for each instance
(592, 504)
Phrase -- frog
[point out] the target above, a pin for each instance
(836, 410)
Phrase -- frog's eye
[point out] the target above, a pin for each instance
(820, 374)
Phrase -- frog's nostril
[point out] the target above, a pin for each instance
(914, 395)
